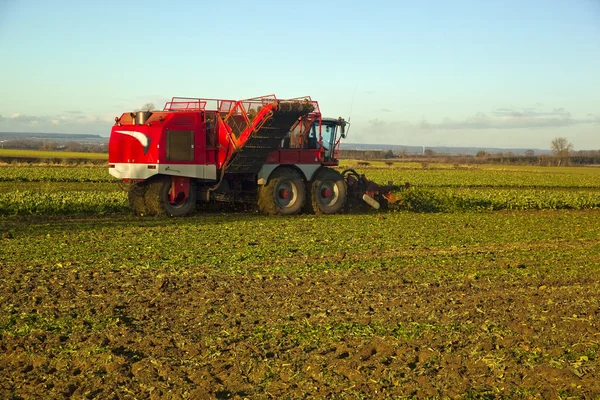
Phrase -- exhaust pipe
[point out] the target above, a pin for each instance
(142, 116)
(371, 201)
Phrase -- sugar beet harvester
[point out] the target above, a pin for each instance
(275, 153)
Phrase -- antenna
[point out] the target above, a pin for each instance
(352, 103)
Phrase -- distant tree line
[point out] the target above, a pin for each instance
(562, 154)
(582, 157)
(46, 145)
(587, 157)
(362, 154)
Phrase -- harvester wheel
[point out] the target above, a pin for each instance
(158, 199)
(328, 192)
(284, 194)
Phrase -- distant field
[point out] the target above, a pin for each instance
(37, 155)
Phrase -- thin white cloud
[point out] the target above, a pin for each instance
(500, 127)
(67, 122)
(500, 118)
(27, 119)
(40, 119)
(504, 118)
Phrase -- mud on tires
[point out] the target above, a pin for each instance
(284, 194)
(158, 199)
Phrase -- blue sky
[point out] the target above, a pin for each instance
(510, 74)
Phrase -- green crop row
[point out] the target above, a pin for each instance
(54, 174)
(61, 187)
(472, 177)
(248, 243)
(65, 155)
(36, 203)
(453, 200)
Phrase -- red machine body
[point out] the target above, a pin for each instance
(200, 136)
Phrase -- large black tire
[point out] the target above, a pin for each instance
(328, 192)
(284, 194)
(158, 200)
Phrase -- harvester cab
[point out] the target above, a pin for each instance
(332, 131)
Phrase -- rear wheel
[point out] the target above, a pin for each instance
(328, 192)
(158, 198)
(284, 194)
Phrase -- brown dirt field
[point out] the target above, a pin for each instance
(340, 334)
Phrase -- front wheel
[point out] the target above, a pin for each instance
(284, 194)
(328, 192)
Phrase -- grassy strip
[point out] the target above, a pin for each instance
(39, 154)
(81, 202)
(516, 177)
(55, 174)
(457, 200)
(242, 243)
(60, 187)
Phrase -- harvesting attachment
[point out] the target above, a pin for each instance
(363, 191)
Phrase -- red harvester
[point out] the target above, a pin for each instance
(275, 153)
